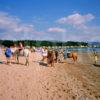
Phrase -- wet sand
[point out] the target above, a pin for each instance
(68, 81)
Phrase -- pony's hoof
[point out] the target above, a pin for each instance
(26, 64)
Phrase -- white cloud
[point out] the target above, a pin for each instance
(11, 27)
(56, 30)
(12, 24)
(80, 22)
(77, 20)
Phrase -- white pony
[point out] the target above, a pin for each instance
(24, 52)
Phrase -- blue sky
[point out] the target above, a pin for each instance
(64, 20)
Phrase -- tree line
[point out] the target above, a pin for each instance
(42, 43)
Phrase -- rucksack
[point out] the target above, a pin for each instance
(8, 52)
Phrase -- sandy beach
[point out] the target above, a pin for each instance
(65, 81)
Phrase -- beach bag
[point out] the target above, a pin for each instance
(8, 52)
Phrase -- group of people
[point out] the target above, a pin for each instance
(9, 52)
(52, 56)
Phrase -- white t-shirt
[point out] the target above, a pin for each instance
(44, 52)
(13, 49)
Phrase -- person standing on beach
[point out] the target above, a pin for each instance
(65, 54)
(8, 54)
(95, 57)
(0, 54)
(56, 56)
(0, 51)
(44, 53)
(13, 50)
(61, 56)
(21, 47)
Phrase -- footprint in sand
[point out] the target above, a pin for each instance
(18, 79)
(47, 83)
(97, 97)
(13, 97)
(67, 91)
(59, 89)
(27, 95)
(56, 86)
(7, 73)
(59, 96)
(12, 89)
(51, 98)
(8, 87)
(74, 97)
(44, 86)
(88, 89)
(1, 94)
(41, 98)
(47, 92)
(90, 93)
(64, 90)
(19, 76)
(47, 89)
(28, 78)
(62, 84)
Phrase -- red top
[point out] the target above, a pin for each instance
(21, 46)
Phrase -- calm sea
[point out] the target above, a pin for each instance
(83, 49)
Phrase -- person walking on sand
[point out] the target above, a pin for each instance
(8, 54)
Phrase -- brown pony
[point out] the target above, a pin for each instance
(51, 58)
(72, 55)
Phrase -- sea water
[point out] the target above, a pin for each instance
(83, 49)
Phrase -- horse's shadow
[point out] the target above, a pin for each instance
(97, 65)
(42, 63)
(18, 63)
(3, 62)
